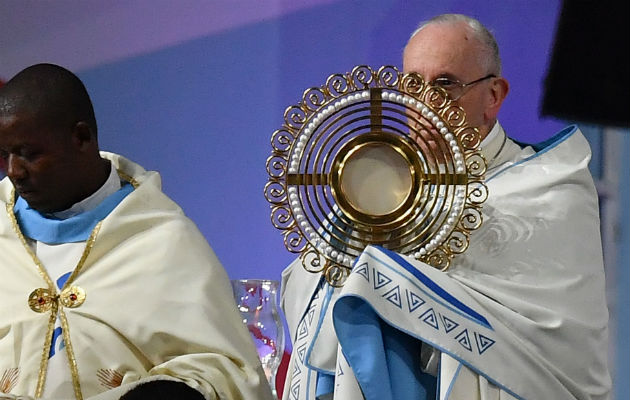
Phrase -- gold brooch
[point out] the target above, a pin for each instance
(72, 297)
(40, 300)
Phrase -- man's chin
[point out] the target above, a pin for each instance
(36, 203)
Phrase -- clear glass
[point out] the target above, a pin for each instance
(455, 88)
(257, 300)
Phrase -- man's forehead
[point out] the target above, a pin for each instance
(8, 105)
(26, 106)
(17, 118)
(458, 32)
(442, 50)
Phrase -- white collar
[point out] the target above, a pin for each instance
(493, 143)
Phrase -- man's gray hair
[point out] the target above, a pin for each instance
(485, 37)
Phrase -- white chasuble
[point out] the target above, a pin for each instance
(521, 315)
(157, 305)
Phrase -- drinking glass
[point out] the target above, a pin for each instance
(257, 300)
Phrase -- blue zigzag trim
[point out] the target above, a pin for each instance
(295, 390)
(449, 324)
(429, 318)
(437, 289)
(463, 339)
(380, 279)
(483, 342)
(394, 296)
(413, 300)
(363, 271)
(301, 351)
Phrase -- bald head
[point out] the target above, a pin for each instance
(488, 50)
(459, 49)
(48, 141)
(52, 95)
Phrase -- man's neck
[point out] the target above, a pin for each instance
(485, 130)
(109, 185)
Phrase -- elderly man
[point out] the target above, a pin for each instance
(520, 315)
(107, 288)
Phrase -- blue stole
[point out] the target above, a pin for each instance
(74, 229)
(384, 359)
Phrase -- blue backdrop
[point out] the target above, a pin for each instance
(202, 112)
(194, 89)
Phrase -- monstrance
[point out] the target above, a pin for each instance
(375, 157)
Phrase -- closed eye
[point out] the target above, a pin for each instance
(445, 83)
(28, 154)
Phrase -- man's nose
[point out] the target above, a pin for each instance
(15, 167)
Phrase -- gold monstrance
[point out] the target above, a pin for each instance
(375, 157)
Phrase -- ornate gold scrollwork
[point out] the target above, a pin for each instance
(375, 157)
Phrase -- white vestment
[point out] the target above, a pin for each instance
(521, 314)
(158, 305)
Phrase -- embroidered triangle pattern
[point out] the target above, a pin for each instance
(483, 342)
(296, 370)
(301, 352)
(363, 270)
(394, 297)
(463, 339)
(413, 301)
(380, 279)
(295, 391)
(429, 318)
(311, 313)
(339, 370)
(302, 330)
(449, 324)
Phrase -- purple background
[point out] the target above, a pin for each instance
(201, 111)
(194, 89)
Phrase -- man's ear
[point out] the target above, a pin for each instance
(82, 136)
(498, 92)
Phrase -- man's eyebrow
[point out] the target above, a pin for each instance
(447, 75)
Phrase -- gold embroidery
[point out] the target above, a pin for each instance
(16, 228)
(110, 378)
(88, 247)
(9, 380)
(65, 329)
(43, 367)
(41, 378)
(128, 178)
(56, 304)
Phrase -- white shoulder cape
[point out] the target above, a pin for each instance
(524, 307)
(158, 305)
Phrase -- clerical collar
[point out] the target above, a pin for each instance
(493, 143)
(76, 228)
(111, 185)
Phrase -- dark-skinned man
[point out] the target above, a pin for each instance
(107, 288)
